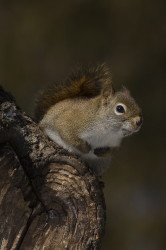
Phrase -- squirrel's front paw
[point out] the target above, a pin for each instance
(101, 151)
(84, 147)
(105, 151)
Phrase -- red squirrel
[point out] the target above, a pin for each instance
(86, 116)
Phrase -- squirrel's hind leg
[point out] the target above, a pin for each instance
(76, 142)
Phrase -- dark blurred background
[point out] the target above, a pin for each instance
(41, 42)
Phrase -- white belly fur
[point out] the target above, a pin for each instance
(97, 164)
(102, 139)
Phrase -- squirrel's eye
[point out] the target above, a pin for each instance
(120, 109)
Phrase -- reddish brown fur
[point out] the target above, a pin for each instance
(86, 82)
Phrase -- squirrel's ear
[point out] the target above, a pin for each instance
(125, 90)
(108, 91)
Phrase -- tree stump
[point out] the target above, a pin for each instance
(48, 198)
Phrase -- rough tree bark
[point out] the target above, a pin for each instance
(48, 198)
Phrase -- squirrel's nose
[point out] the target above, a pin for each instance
(139, 121)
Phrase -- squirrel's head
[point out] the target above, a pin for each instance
(121, 111)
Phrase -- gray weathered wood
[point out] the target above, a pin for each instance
(48, 198)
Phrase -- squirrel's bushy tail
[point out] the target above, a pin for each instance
(85, 82)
